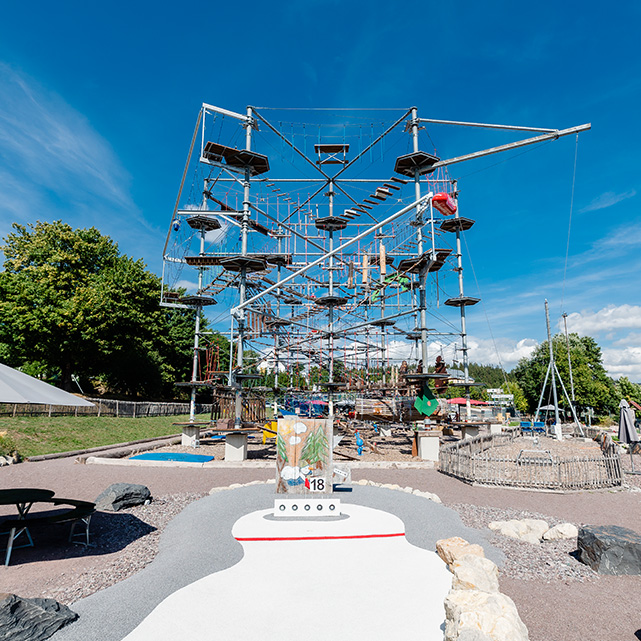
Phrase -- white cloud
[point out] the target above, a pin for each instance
(485, 350)
(503, 351)
(53, 144)
(55, 165)
(631, 340)
(607, 199)
(623, 362)
(620, 238)
(609, 319)
(187, 285)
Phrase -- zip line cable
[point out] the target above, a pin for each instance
(487, 318)
(567, 248)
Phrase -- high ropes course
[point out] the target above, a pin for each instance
(327, 241)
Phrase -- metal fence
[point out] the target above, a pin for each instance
(479, 460)
(103, 407)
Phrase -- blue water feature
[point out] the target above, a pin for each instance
(172, 456)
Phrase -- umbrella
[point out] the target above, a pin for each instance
(462, 401)
(627, 432)
(16, 387)
(546, 408)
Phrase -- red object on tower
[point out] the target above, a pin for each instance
(444, 203)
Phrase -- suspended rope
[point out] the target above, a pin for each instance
(487, 318)
(567, 247)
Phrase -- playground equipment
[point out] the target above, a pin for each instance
(333, 257)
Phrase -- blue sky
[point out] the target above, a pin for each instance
(98, 104)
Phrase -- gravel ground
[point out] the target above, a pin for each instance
(134, 544)
(396, 447)
(549, 561)
(143, 530)
(558, 599)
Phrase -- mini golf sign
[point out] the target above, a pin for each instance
(426, 403)
(304, 456)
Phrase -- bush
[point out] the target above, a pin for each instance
(7, 445)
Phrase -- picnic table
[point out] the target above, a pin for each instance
(24, 498)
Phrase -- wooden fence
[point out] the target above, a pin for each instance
(479, 460)
(253, 409)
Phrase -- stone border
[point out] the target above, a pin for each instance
(355, 465)
(387, 486)
(475, 608)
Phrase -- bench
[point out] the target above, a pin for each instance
(80, 514)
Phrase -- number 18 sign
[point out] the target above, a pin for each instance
(304, 455)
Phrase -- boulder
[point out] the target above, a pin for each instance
(472, 572)
(610, 549)
(121, 495)
(31, 619)
(473, 615)
(561, 531)
(428, 495)
(455, 547)
(530, 530)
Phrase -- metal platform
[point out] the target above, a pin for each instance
(237, 159)
(202, 222)
(197, 301)
(383, 322)
(196, 384)
(275, 323)
(425, 377)
(330, 223)
(415, 265)
(457, 224)
(409, 163)
(462, 301)
(334, 154)
(331, 301)
(249, 263)
(440, 257)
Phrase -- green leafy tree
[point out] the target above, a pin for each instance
(491, 376)
(70, 303)
(592, 386)
(520, 402)
(628, 390)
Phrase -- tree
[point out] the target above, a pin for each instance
(592, 386)
(491, 376)
(520, 402)
(628, 390)
(71, 303)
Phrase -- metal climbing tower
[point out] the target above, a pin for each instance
(331, 241)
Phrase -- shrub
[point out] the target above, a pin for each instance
(7, 445)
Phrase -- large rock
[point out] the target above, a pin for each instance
(610, 549)
(121, 495)
(455, 547)
(472, 572)
(530, 530)
(561, 531)
(473, 615)
(31, 619)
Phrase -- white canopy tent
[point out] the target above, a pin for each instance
(16, 387)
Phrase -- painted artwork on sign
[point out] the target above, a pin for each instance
(304, 455)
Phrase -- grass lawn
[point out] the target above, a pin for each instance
(33, 435)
